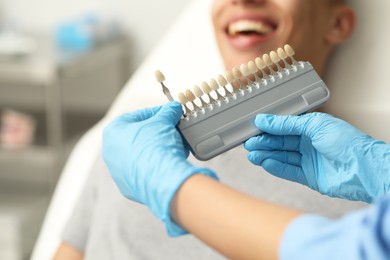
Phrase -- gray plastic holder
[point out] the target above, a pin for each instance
(228, 123)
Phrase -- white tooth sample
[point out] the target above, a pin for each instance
(275, 59)
(260, 64)
(191, 97)
(245, 71)
(230, 78)
(214, 86)
(159, 76)
(290, 52)
(199, 93)
(237, 75)
(183, 100)
(223, 82)
(206, 88)
(253, 70)
(282, 54)
(268, 62)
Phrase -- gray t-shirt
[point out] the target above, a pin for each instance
(105, 225)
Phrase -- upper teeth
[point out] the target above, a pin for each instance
(245, 26)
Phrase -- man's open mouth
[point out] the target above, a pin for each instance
(250, 27)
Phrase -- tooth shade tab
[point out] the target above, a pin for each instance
(214, 84)
(247, 26)
(290, 53)
(260, 63)
(198, 91)
(159, 76)
(282, 54)
(253, 70)
(182, 98)
(244, 70)
(267, 60)
(289, 50)
(221, 80)
(229, 76)
(189, 95)
(206, 87)
(252, 67)
(236, 73)
(275, 59)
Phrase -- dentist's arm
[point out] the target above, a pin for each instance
(233, 223)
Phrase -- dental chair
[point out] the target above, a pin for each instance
(188, 54)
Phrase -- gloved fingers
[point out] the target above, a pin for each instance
(139, 115)
(170, 112)
(284, 171)
(273, 142)
(292, 158)
(306, 124)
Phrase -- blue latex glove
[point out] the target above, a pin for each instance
(146, 157)
(322, 152)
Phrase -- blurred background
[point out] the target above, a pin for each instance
(62, 63)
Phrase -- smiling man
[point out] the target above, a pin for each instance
(244, 29)
(105, 225)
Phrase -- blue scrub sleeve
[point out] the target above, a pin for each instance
(364, 234)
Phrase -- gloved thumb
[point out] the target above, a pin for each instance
(288, 125)
(170, 112)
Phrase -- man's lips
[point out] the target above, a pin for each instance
(246, 33)
(249, 27)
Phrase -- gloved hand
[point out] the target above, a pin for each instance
(322, 152)
(146, 157)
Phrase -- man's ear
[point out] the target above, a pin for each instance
(342, 24)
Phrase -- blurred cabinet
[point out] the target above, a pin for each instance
(66, 92)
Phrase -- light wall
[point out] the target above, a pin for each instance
(144, 21)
